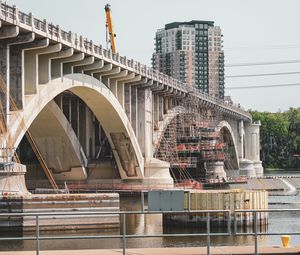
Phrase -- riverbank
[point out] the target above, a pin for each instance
(271, 183)
(242, 250)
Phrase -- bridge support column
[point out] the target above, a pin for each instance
(156, 110)
(134, 109)
(145, 122)
(240, 140)
(161, 108)
(252, 146)
(216, 170)
(12, 179)
(156, 171)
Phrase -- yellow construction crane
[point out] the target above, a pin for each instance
(110, 35)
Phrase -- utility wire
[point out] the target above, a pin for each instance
(266, 47)
(264, 86)
(264, 63)
(259, 75)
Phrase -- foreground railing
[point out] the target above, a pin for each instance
(123, 236)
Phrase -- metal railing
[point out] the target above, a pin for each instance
(12, 15)
(255, 232)
(123, 236)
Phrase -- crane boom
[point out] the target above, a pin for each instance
(109, 26)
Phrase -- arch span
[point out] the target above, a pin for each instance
(107, 110)
(228, 137)
(162, 125)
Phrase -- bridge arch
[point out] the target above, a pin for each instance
(228, 137)
(163, 125)
(105, 107)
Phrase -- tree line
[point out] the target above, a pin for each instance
(279, 138)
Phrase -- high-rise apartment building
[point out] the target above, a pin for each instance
(192, 52)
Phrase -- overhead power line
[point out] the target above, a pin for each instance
(263, 63)
(266, 47)
(264, 86)
(260, 75)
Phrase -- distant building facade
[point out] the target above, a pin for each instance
(192, 52)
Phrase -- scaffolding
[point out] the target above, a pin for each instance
(190, 141)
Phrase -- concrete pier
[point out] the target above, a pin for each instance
(222, 200)
(12, 179)
(60, 203)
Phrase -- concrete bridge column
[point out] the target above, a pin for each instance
(129, 96)
(32, 66)
(252, 146)
(145, 122)
(241, 135)
(5, 35)
(156, 110)
(15, 52)
(156, 172)
(166, 104)
(81, 119)
(134, 109)
(138, 81)
(161, 108)
(121, 84)
(87, 131)
(215, 170)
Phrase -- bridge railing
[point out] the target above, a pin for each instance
(13, 14)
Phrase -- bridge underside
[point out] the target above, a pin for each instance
(78, 147)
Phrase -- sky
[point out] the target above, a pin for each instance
(254, 31)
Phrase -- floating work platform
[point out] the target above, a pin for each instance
(222, 200)
(60, 204)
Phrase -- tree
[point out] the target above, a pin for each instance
(280, 138)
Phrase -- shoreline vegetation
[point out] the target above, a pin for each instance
(279, 139)
(282, 170)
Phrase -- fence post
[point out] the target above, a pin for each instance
(37, 230)
(189, 200)
(208, 232)
(124, 234)
(255, 233)
(229, 223)
(234, 223)
(143, 201)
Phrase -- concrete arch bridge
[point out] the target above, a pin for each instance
(98, 115)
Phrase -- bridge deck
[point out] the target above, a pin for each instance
(243, 250)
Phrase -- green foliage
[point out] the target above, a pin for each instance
(280, 138)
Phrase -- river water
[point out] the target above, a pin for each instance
(152, 224)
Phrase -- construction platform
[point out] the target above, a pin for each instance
(224, 250)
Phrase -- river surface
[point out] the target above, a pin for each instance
(152, 224)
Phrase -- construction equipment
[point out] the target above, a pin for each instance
(110, 35)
